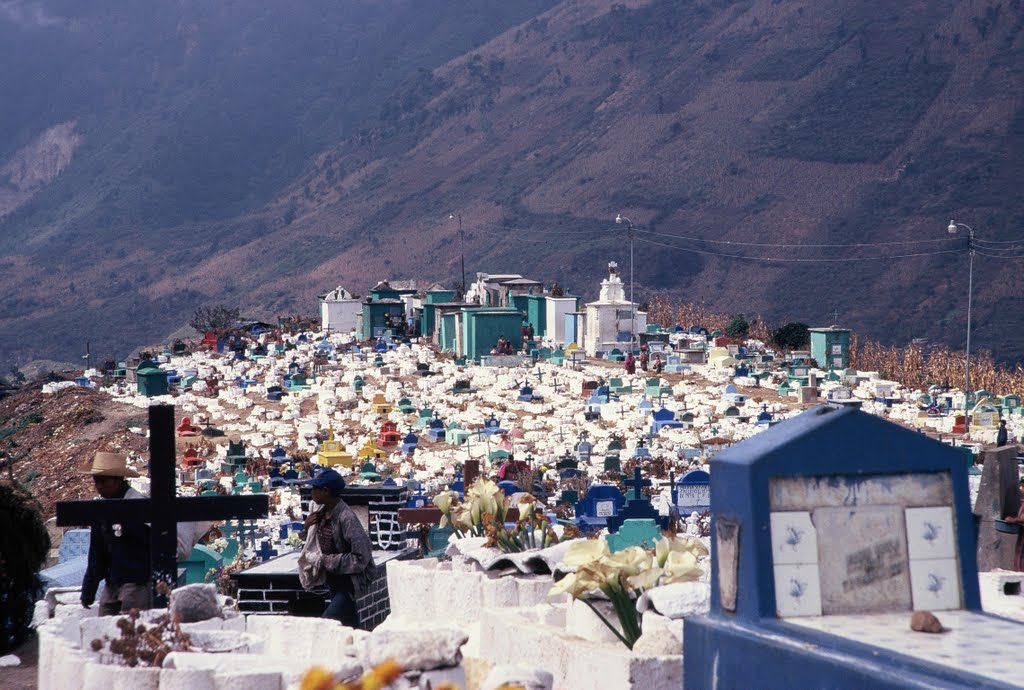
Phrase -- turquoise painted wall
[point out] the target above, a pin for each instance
(446, 334)
(483, 327)
(430, 312)
(823, 344)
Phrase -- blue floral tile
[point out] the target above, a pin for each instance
(935, 584)
(794, 539)
(930, 533)
(797, 590)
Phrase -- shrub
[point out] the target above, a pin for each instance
(738, 327)
(793, 336)
(24, 544)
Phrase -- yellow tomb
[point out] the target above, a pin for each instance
(331, 452)
(380, 405)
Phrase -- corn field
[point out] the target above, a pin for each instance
(911, 366)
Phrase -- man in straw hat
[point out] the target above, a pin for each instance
(118, 553)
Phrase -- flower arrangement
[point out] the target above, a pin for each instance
(483, 515)
(623, 576)
(219, 544)
(377, 678)
(294, 540)
(221, 576)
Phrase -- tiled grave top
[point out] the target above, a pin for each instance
(974, 643)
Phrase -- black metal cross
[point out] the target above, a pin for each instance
(637, 482)
(162, 510)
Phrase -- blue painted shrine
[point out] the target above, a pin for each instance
(828, 530)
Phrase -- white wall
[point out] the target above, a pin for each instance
(341, 316)
(556, 309)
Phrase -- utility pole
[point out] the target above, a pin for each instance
(953, 226)
(462, 251)
(632, 304)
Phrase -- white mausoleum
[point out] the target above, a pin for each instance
(608, 319)
(340, 311)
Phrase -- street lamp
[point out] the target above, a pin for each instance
(953, 226)
(462, 250)
(619, 220)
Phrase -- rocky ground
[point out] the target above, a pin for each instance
(46, 437)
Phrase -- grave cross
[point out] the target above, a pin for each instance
(637, 482)
(265, 552)
(162, 510)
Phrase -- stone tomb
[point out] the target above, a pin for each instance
(693, 492)
(868, 521)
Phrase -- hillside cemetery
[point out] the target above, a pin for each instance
(553, 508)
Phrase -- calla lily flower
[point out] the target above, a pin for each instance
(585, 551)
(443, 501)
(629, 561)
(567, 585)
(645, 579)
(681, 566)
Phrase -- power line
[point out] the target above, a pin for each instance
(998, 242)
(796, 259)
(998, 256)
(791, 246)
(546, 230)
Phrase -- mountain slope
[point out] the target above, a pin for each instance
(257, 156)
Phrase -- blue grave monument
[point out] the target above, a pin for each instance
(693, 492)
(493, 426)
(638, 507)
(829, 529)
(409, 443)
(436, 429)
(664, 419)
(602, 501)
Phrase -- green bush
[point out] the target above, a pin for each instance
(792, 336)
(738, 327)
(24, 544)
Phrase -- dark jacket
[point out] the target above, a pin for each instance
(352, 557)
(117, 556)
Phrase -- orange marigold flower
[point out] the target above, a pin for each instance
(381, 676)
(318, 678)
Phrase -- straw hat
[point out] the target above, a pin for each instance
(107, 464)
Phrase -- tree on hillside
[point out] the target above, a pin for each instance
(792, 336)
(216, 318)
(738, 326)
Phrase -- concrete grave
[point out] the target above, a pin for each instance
(868, 522)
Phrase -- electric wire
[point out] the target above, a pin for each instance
(799, 245)
(797, 259)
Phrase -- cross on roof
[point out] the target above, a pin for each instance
(162, 510)
(637, 482)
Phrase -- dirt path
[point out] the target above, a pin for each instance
(22, 677)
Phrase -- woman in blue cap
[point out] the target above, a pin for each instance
(347, 557)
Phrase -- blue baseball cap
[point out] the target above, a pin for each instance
(330, 480)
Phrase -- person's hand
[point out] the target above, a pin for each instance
(311, 520)
(86, 603)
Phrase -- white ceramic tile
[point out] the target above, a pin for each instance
(935, 584)
(930, 533)
(973, 642)
(797, 591)
(794, 539)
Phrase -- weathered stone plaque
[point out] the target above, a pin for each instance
(862, 556)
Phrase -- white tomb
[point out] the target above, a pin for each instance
(607, 322)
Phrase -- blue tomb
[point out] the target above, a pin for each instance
(693, 492)
(829, 529)
(601, 502)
